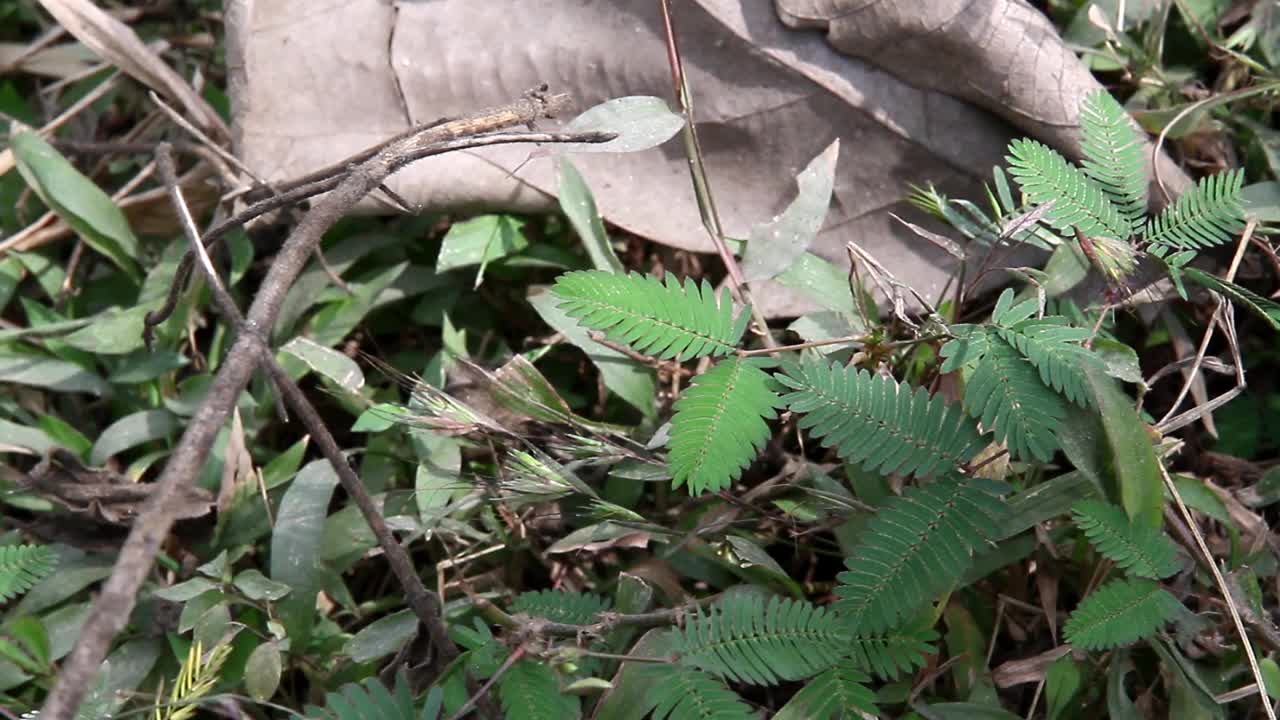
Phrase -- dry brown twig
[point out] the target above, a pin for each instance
(118, 595)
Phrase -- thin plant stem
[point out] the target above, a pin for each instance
(1222, 588)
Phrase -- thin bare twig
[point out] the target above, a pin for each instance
(1166, 423)
(1222, 588)
(701, 181)
(425, 604)
(322, 185)
(118, 595)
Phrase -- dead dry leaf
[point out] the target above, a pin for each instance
(917, 93)
(116, 43)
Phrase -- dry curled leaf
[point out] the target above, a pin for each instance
(116, 43)
(916, 90)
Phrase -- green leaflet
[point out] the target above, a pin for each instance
(1113, 156)
(745, 639)
(719, 425)
(874, 421)
(1045, 176)
(665, 319)
(1208, 215)
(576, 608)
(916, 547)
(22, 566)
(681, 693)
(1005, 392)
(838, 692)
(1140, 550)
(1050, 343)
(372, 699)
(1119, 613)
(902, 650)
(529, 691)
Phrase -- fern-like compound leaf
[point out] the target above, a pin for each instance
(1053, 346)
(1139, 549)
(1119, 613)
(745, 639)
(719, 425)
(1113, 156)
(917, 546)
(529, 691)
(22, 566)
(874, 421)
(661, 318)
(574, 608)
(1203, 217)
(840, 692)
(1005, 392)
(1045, 176)
(891, 654)
(371, 699)
(682, 693)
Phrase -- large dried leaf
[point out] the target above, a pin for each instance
(915, 90)
(116, 43)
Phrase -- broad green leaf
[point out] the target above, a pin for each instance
(632, 683)
(632, 595)
(827, 325)
(776, 245)
(821, 281)
(640, 123)
(1270, 676)
(1262, 201)
(262, 671)
(131, 431)
(14, 437)
(295, 547)
(1111, 446)
(335, 366)
(77, 200)
(1200, 498)
(382, 637)
(1067, 266)
(481, 240)
(1045, 501)
(1119, 359)
(145, 366)
(30, 635)
(11, 273)
(377, 418)
(65, 435)
(579, 206)
(184, 591)
(38, 370)
(64, 626)
(438, 476)
(76, 571)
(284, 466)
(257, 586)
(117, 331)
(195, 608)
(333, 322)
(305, 292)
(1061, 684)
(628, 379)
